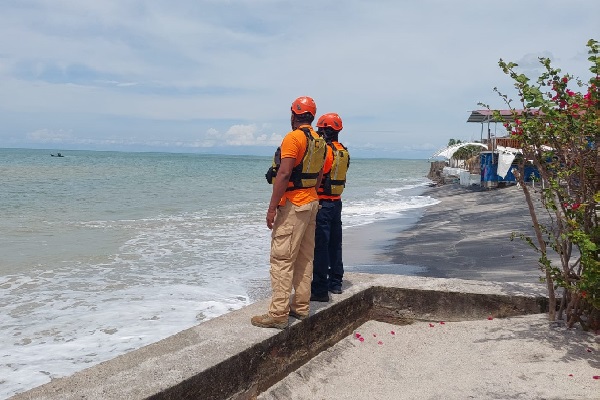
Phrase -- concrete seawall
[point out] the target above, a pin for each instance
(229, 358)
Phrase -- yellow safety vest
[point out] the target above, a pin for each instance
(334, 181)
(305, 174)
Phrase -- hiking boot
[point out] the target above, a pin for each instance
(294, 314)
(266, 321)
(322, 298)
(337, 290)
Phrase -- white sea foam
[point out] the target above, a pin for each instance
(386, 203)
(175, 272)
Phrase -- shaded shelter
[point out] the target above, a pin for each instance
(497, 162)
(449, 151)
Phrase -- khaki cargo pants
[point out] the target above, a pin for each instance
(292, 254)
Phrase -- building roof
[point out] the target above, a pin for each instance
(482, 116)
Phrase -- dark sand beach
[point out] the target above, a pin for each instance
(467, 235)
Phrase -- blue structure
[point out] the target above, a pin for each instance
(489, 169)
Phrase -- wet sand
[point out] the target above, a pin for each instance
(467, 235)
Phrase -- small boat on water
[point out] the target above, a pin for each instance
(56, 155)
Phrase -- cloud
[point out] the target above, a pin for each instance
(530, 64)
(172, 69)
(235, 136)
(49, 136)
(249, 135)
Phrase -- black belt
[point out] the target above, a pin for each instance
(329, 200)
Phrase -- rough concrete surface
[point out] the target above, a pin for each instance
(503, 358)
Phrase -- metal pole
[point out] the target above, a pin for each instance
(481, 136)
(490, 138)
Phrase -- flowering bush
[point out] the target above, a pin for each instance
(558, 127)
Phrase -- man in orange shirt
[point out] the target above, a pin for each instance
(296, 173)
(328, 268)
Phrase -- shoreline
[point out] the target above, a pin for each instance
(365, 245)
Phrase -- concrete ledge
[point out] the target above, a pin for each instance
(229, 358)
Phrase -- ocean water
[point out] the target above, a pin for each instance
(105, 252)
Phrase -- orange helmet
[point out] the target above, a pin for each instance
(331, 120)
(303, 105)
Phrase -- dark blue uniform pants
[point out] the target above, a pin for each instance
(328, 268)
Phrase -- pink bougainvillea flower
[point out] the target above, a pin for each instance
(565, 79)
(570, 374)
(392, 332)
(431, 325)
(583, 294)
(575, 206)
(490, 318)
(589, 350)
(596, 377)
(374, 335)
(362, 339)
(380, 342)
(442, 323)
(357, 335)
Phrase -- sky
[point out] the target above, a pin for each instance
(219, 76)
